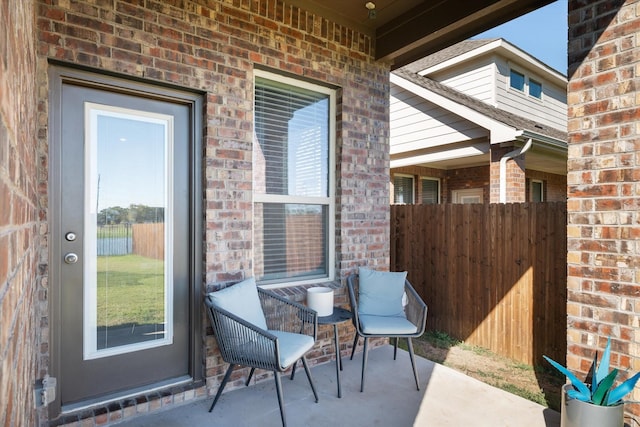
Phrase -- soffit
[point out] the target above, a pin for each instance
(407, 30)
(535, 160)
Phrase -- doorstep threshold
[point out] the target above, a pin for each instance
(119, 396)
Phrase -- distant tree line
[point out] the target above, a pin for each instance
(132, 214)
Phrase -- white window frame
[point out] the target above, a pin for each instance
(524, 80)
(526, 85)
(529, 80)
(428, 178)
(328, 201)
(536, 181)
(413, 188)
(460, 196)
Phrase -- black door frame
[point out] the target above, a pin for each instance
(62, 73)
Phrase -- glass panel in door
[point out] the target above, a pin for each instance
(128, 280)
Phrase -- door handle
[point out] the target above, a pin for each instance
(71, 258)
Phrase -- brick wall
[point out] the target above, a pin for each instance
(420, 172)
(555, 186)
(450, 180)
(213, 46)
(515, 176)
(461, 179)
(19, 215)
(603, 190)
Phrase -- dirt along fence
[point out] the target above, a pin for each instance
(493, 275)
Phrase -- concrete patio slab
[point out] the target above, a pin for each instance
(447, 398)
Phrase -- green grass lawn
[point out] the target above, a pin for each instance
(130, 290)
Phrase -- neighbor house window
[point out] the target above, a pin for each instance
(293, 203)
(430, 191)
(536, 189)
(535, 89)
(516, 80)
(468, 195)
(403, 189)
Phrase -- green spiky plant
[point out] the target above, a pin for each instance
(600, 391)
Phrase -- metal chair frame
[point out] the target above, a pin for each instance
(415, 311)
(243, 344)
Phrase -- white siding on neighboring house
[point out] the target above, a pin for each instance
(550, 111)
(474, 78)
(419, 124)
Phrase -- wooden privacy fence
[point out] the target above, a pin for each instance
(148, 240)
(493, 275)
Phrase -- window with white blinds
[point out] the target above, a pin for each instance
(430, 191)
(403, 189)
(293, 180)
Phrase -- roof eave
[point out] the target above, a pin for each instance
(509, 51)
(499, 132)
(548, 141)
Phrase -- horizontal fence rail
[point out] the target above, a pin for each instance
(493, 275)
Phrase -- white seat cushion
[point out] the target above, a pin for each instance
(292, 346)
(386, 325)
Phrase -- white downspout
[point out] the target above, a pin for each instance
(503, 168)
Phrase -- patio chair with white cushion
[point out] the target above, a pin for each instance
(384, 304)
(259, 329)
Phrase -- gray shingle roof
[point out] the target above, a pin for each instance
(446, 54)
(497, 114)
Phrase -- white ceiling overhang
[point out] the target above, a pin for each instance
(443, 157)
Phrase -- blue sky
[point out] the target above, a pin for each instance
(131, 161)
(541, 33)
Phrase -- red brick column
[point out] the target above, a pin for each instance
(515, 176)
(20, 217)
(603, 190)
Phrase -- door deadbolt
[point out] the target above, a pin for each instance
(71, 258)
(70, 236)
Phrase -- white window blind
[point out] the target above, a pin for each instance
(293, 183)
(403, 189)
